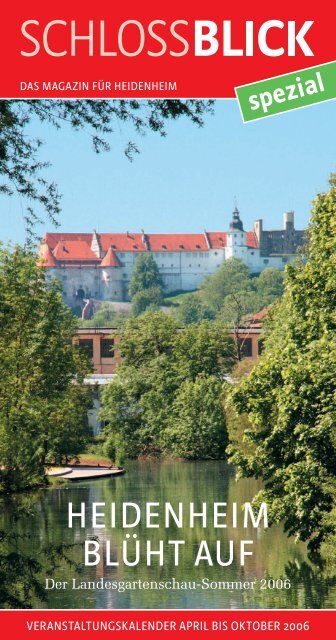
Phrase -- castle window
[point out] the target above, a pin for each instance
(252, 253)
(87, 346)
(107, 348)
(266, 261)
(198, 246)
(121, 255)
(216, 253)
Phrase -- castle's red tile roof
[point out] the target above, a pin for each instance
(121, 241)
(251, 240)
(52, 239)
(217, 239)
(79, 247)
(74, 250)
(177, 242)
(110, 260)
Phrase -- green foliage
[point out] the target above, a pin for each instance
(145, 274)
(158, 360)
(114, 448)
(151, 298)
(196, 424)
(37, 367)
(232, 293)
(290, 395)
(22, 572)
(232, 277)
(21, 169)
(105, 316)
(269, 286)
(147, 338)
(206, 349)
(192, 310)
(67, 428)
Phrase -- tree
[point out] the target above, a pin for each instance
(232, 292)
(20, 166)
(232, 277)
(290, 395)
(151, 298)
(206, 349)
(158, 359)
(147, 338)
(192, 310)
(104, 316)
(196, 425)
(145, 275)
(235, 308)
(69, 432)
(38, 366)
(269, 286)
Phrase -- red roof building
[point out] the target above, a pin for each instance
(100, 264)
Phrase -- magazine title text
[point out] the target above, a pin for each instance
(201, 38)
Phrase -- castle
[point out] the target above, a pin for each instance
(99, 265)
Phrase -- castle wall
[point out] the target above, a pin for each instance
(179, 271)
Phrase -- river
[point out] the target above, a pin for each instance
(277, 561)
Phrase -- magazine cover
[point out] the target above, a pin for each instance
(167, 320)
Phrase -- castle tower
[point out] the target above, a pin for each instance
(111, 277)
(289, 220)
(236, 223)
(289, 235)
(236, 237)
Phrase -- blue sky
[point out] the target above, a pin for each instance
(189, 180)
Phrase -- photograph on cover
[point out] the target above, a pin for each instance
(167, 356)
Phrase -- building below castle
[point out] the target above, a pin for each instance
(99, 265)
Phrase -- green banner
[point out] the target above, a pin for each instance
(290, 91)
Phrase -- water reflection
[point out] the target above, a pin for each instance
(275, 556)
